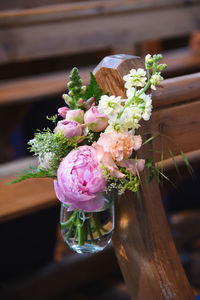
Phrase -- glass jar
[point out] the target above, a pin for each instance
(88, 232)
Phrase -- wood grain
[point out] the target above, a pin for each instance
(142, 240)
(178, 129)
(34, 88)
(51, 31)
(25, 197)
(179, 89)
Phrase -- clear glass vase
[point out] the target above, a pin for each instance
(88, 232)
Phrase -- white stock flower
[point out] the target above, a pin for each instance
(147, 110)
(155, 80)
(135, 78)
(128, 120)
(111, 106)
(130, 92)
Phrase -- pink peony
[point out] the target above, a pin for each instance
(119, 144)
(80, 182)
(69, 128)
(75, 115)
(62, 111)
(99, 120)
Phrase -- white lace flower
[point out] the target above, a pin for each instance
(135, 78)
(155, 80)
(111, 106)
(45, 160)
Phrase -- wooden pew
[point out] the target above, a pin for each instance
(142, 241)
(24, 38)
(153, 269)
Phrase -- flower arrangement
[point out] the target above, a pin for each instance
(92, 149)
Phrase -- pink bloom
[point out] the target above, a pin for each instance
(106, 159)
(69, 128)
(133, 165)
(99, 120)
(75, 115)
(119, 144)
(62, 111)
(80, 182)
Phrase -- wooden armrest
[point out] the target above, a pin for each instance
(25, 197)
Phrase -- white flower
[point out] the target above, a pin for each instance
(155, 80)
(45, 160)
(146, 106)
(128, 120)
(130, 92)
(111, 106)
(135, 78)
(148, 58)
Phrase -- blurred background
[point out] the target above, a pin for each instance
(40, 42)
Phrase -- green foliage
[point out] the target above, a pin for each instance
(33, 172)
(129, 182)
(53, 119)
(149, 164)
(93, 90)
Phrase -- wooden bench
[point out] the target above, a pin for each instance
(145, 250)
(142, 240)
(39, 32)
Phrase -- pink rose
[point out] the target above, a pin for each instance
(62, 111)
(69, 128)
(80, 182)
(99, 120)
(75, 115)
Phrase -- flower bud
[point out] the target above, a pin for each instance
(161, 67)
(149, 61)
(68, 128)
(75, 115)
(99, 120)
(62, 111)
(89, 103)
(68, 100)
(157, 57)
(81, 102)
(83, 89)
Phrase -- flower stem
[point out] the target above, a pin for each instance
(66, 224)
(97, 225)
(81, 237)
(90, 232)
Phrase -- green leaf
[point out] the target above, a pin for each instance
(150, 139)
(174, 161)
(188, 165)
(149, 161)
(33, 172)
(93, 90)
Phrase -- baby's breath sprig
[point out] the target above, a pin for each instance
(51, 148)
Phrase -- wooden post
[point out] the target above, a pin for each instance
(142, 240)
